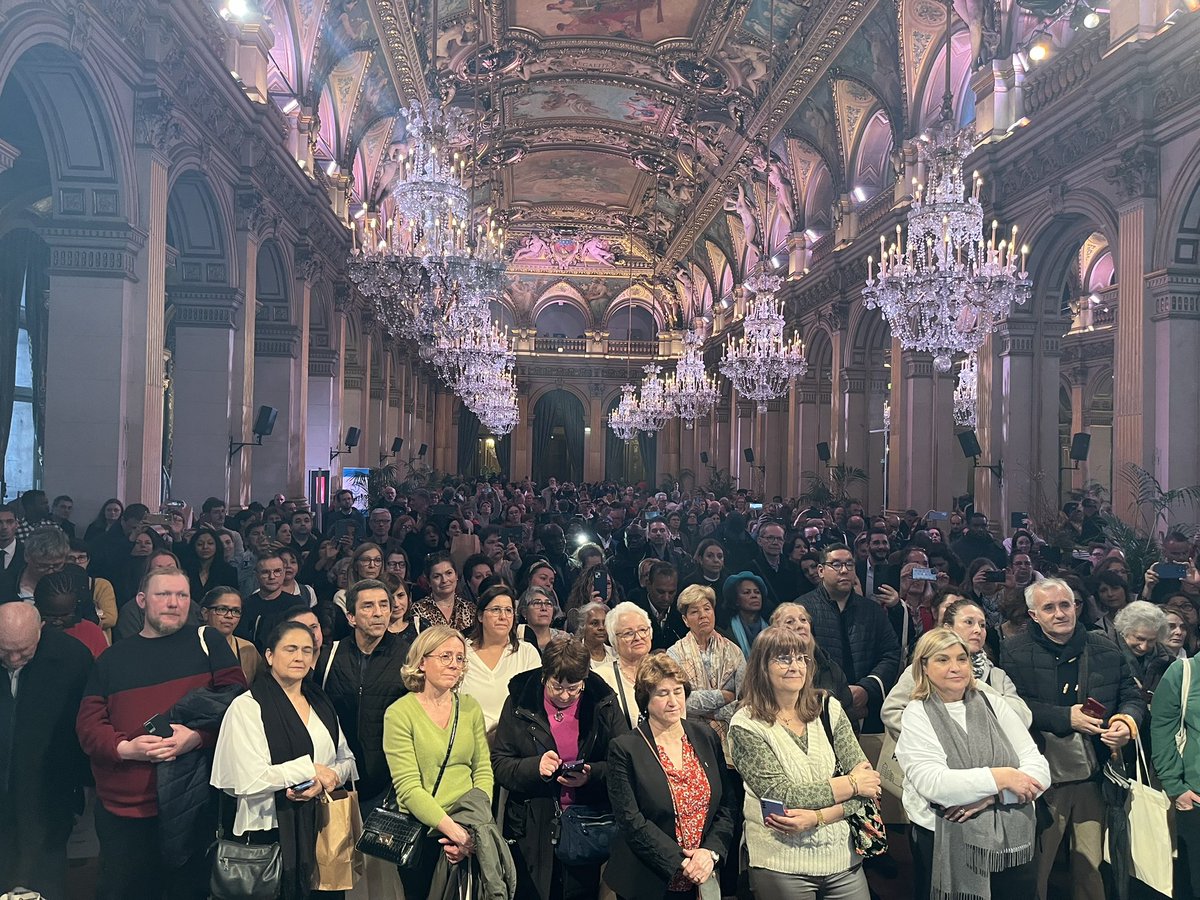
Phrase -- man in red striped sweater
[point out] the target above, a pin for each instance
(136, 679)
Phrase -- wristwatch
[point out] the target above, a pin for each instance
(715, 856)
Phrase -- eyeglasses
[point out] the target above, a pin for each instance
(448, 659)
(786, 660)
(500, 612)
(270, 573)
(839, 565)
(569, 690)
(370, 561)
(231, 611)
(633, 634)
(543, 604)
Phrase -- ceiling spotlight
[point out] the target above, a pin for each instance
(1091, 20)
(237, 9)
(291, 105)
(859, 194)
(332, 168)
(1038, 52)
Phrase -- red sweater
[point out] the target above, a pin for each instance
(135, 679)
(90, 635)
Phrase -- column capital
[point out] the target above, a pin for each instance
(1135, 173)
(276, 340)
(854, 379)
(1176, 294)
(205, 307)
(322, 362)
(916, 365)
(256, 215)
(155, 124)
(84, 249)
(310, 265)
(1017, 337)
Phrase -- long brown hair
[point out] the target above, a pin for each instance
(758, 696)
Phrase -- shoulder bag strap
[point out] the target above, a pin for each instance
(329, 663)
(839, 769)
(1185, 690)
(449, 748)
(621, 689)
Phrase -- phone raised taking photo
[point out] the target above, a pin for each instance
(995, 576)
(923, 573)
(936, 516)
(1017, 520)
(756, 506)
(600, 584)
(159, 726)
(772, 808)
(1171, 570)
(511, 535)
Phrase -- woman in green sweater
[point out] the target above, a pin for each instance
(417, 731)
(1180, 772)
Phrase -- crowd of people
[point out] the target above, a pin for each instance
(588, 690)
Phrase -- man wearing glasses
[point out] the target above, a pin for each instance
(856, 634)
(781, 575)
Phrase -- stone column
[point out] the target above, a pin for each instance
(1176, 328)
(251, 219)
(102, 423)
(1135, 435)
(924, 435)
(1080, 421)
(307, 272)
(594, 435)
(743, 437)
(851, 426)
(721, 454)
(773, 447)
(355, 395)
(277, 382)
(321, 420)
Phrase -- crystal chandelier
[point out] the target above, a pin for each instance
(494, 401)
(654, 407)
(623, 420)
(965, 393)
(942, 287)
(691, 390)
(761, 364)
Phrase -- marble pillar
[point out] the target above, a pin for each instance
(277, 383)
(1176, 328)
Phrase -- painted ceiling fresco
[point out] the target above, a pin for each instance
(713, 126)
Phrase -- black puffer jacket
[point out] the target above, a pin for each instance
(861, 640)
(522, 736)
(1041, 669)
(361, 688)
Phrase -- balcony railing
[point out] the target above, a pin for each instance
(560, 345)
(633, 348)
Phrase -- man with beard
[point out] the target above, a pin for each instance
(874, 571)
(134, 684)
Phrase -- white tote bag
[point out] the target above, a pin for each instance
(1149, 831)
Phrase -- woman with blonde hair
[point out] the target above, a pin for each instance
(796, 806)
(971, 774)
(714, 665)
(437, 752)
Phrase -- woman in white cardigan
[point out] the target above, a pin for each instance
(966, 619)
(971, 775)
(778, 744)
(279, 748)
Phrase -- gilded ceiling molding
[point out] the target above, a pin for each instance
(395, 27)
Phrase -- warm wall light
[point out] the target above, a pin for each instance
(1091, 20)
(1038, 52)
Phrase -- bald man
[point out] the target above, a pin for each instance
(42, 769)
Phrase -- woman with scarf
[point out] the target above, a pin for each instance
(971, 774)
(714, 665)
(744, 594)
(965, 618)
(279, 749)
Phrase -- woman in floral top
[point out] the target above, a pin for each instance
(671, 794)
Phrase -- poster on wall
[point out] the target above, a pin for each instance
(354, 479)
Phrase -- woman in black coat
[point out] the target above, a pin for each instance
(669, 840)
(528, 757)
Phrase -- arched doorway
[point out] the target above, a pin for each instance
(628, 462)
(558, 419)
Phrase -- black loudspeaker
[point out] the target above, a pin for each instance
(422, 450)
(703, 458)
(823, 451)
(1080, 444)
(749, 454)
(969, 443)
(397, 444)
(352, 438)
(264, 423)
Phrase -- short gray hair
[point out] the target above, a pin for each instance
(579, 616)
(535, 592)
(1140, 614)
(625, 608)
(46, 543)
(1044, 586)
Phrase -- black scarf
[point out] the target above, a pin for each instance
(287, 739)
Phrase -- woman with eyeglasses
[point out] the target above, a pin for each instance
(629, 633)
(781, 748)
(671, 792)
(437, 722)
(222, 612)
(495, 654)
(537, 608)
(551, 754)
(365, 562)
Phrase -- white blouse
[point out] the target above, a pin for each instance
(624, 690)
(927, 777)
(242, 763)
(489, 687)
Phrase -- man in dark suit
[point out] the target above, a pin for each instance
(781, 576)
(874, 571)
(42, 769)
(12, 554)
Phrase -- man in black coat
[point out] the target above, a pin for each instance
(781, 576)
(42, 768)
(856, 634)
(1059, 668)
(361, 676)
(978, 542)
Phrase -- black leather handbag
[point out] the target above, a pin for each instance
(399, 837)
(583, 835)
(244, 871)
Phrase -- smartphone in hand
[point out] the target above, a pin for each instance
(1094, 708)
(772, 808)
